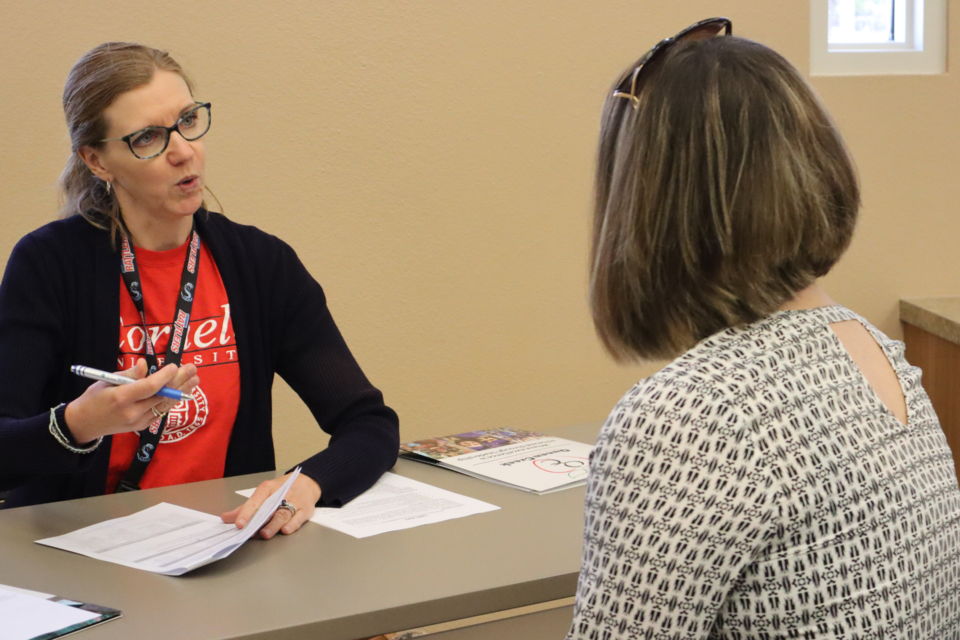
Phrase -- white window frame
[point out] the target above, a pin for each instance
(923, 52)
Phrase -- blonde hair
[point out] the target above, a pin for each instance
(726, 191)
(102, 74)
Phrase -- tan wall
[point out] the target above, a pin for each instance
(431, 162)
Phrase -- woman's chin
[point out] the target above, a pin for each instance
(189, 206)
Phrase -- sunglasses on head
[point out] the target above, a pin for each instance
(700, 31)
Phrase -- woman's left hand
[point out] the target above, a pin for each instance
(303, 494)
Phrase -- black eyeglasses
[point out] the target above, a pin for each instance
(152, 141)
(628, 88)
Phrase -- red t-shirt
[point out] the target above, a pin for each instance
(194, 444)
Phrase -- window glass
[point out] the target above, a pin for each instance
(865, 21)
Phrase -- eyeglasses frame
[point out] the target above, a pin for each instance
(176, 127)
(726, 25)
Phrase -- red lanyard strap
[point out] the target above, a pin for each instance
(150, 437)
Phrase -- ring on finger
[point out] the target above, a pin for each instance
(158, 413)
(289, 507)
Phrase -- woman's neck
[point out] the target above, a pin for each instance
(158, 235)
(809, 298)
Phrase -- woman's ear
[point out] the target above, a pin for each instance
(91, 158)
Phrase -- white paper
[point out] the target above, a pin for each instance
(526, 460)
(24, 616)
(395, 503)
(166, 538)
(543, 465)
(28, 592)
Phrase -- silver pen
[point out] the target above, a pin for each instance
(113, 378)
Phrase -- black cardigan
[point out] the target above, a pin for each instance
(60, 305)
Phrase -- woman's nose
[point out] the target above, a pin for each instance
(179, 149)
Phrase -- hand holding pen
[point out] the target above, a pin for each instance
(115, 378)
(105, 409)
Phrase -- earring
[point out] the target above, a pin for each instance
(109, 186)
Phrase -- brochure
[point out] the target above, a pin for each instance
(534, 462)
(30, 615)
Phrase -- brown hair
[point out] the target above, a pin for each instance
(726, 191)
(102, 74)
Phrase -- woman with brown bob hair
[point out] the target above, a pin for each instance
(138, 276)
(785, 476)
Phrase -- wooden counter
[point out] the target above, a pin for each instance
(931, 331)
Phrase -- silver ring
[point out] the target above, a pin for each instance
(289, 507)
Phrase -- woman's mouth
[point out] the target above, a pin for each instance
(189, 183)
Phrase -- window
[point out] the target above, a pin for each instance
(865, 37)
(878, 24)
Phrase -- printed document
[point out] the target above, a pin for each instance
(166, 538)
(25, 615)
(395, 503)
(535, 462)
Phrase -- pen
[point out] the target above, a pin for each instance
(113, 378)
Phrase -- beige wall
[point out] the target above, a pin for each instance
(431, 162)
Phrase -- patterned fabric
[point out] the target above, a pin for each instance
(757, 487)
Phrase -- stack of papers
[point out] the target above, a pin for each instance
(166, 538)
(28, 615)
(173, 540)
(535, 462)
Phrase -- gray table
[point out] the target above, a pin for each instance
(318, 583)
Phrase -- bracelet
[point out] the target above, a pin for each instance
(64, 440)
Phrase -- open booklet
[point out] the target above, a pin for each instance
(166, 538)
(30, 615)
(534, 462)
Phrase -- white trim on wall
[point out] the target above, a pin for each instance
(924, 52)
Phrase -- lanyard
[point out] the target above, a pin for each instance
(150, 437)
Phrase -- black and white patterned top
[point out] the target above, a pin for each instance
(758, 488)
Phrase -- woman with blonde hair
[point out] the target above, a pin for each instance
(139, 276)
(785, 476)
